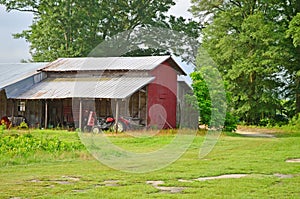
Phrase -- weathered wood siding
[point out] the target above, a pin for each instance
(3, 104)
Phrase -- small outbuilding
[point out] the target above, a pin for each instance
(14, 79)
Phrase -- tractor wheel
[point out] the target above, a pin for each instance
(96, 130)
(86, 129)
(121, 127)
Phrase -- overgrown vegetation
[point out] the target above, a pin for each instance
(23, 125)
(284, 128)
(16, 145)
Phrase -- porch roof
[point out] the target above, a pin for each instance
(61, 88)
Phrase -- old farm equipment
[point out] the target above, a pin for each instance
(96, 124)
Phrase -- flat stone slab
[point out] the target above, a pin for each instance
(79, 190)
(155, 183)
(61, 182)
(279, 175)
(182, 180)
(67, 179)
(35, 180)
(226, 176)
(171, 189)
(111, 183)
(54, 181)
(293, 160)
(71, 178)
(165, 189)
(234, 176)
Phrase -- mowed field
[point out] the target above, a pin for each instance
(54, 164)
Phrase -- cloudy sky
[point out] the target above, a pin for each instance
(13, 50)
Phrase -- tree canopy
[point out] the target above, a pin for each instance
(294, 30)
(255, 45)
(73, 28)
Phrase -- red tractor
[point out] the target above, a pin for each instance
(96, 125)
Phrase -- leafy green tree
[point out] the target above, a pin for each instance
(293, 32)
(247, 40)
(202, 94)
(72, 28)
(212, 99)
(211, 93)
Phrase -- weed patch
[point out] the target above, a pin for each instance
(17, 147)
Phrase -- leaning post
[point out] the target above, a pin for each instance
(117, 115)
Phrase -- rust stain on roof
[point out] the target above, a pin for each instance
(115, 88)
(111, 63)
(39, 94)
(55, 64)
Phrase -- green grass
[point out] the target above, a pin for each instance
(75, 174)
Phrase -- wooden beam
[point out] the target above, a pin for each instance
(117, 115)
(12, 110)
(46, 114)
(147, 111)
(139, 108)
(80, 114)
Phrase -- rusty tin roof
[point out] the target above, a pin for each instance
(61, 88)
(110, 63)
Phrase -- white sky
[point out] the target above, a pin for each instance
(14, 50)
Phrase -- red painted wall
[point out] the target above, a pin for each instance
(162, 99)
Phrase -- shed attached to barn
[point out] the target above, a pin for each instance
(14, 79)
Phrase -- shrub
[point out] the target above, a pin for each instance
(295, 121)
(278, 120)
(23, 125)
(264, 122)
(26, 144)
(230, 124)
(2, 127)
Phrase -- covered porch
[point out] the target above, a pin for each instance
(65, 102)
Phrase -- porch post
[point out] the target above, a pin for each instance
(117, 115)
(5, 105)
(40, 113)
(12, 112)
(80, 114)
(139, 110)
(147, 110)
(127, 113)
(46, 114)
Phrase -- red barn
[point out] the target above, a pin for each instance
(162, 95)
(62, 92)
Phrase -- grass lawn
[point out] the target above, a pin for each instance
(60, 170)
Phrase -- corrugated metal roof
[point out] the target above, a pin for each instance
(60, 88)
(11, 73)
(108, 63)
